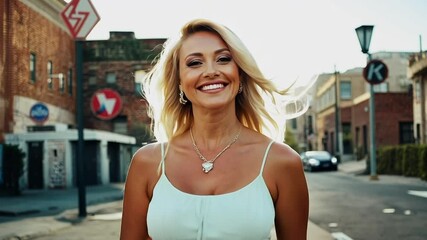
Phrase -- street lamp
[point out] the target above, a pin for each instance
(364, 34)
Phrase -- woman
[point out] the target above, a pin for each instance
(216, 175)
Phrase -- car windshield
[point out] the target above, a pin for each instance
(317, 154)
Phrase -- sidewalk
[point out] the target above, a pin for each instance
(42, 212)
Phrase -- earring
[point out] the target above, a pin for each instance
(240, 88)
(181, 96)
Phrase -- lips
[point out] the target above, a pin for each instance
(212, 86)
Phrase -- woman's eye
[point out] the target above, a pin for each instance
(193, 63)
(224, 59)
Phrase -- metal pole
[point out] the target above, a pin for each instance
(338, 133)
(80, 126)
(373, 154)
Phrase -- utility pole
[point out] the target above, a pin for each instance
(338, 132)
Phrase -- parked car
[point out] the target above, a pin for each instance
(319, 160)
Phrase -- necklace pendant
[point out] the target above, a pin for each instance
(207, 166)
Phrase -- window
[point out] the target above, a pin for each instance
(406, 132)
(345, 90)
(70, 81)
(110, 78)
(49, 75)
(33, 67)
(139, 76)
(417, 91)
(294, 123)
(92, 80)
(381, 88)
(61, 80)
(120, 125)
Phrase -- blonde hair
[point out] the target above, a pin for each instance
(256, 106)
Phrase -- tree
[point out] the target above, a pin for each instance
(290, 140)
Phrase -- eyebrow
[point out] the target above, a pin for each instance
(197, 54)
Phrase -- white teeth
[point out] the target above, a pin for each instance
(213, 86)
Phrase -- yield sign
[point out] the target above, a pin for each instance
(80, 17)
(375, 72)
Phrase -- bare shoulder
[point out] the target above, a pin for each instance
(145, 163)
(284, 172)
(283, 157)
(148, 154)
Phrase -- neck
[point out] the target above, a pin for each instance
(211, 137)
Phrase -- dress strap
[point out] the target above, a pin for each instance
(265, 157)
(162, 147)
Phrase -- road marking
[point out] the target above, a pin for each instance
(418, 193)
(340, 236)
(389, 210)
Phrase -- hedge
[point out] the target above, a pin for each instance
(408, 160)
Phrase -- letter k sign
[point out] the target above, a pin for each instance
(375, 72)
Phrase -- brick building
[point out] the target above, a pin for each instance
(38, 102)
(118, 64)
(37, 65)
(393, 107)
(417, 72)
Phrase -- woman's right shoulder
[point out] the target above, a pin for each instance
(148, 155)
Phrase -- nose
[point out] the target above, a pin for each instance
(211, 71)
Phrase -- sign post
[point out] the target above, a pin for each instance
(375, 72)
(80, 17)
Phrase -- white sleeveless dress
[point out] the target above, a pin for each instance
(245, 214)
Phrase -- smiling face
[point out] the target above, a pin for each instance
(208, 74)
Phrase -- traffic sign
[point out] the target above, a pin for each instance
(106, 104)
(375, 72)
(80, 17)
(39, 113)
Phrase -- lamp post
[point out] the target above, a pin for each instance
(364, 34)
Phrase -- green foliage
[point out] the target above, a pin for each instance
(422, 162)
(407, 160)
(291, 141)
(386, 159)
(13, 168)
(410, 161)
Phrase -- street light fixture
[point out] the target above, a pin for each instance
(364, 34)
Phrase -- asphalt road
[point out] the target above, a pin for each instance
(363, 209)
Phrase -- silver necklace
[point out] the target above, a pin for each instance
(208, 165)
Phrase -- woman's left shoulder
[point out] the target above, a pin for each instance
(284, 172)
(282, 156)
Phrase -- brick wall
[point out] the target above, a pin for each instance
(31, 31)
(390, 110)
(34, 33)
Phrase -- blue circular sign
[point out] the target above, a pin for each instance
(39, 113)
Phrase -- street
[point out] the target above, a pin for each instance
(365, 209)
(349, 206)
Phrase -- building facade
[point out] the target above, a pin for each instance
(393, 108)
(38, 102)
(118, 65)
(37, 66)
(417, 72)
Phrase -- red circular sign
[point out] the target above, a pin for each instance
(106, 104)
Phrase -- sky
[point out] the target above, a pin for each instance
(289, 39)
